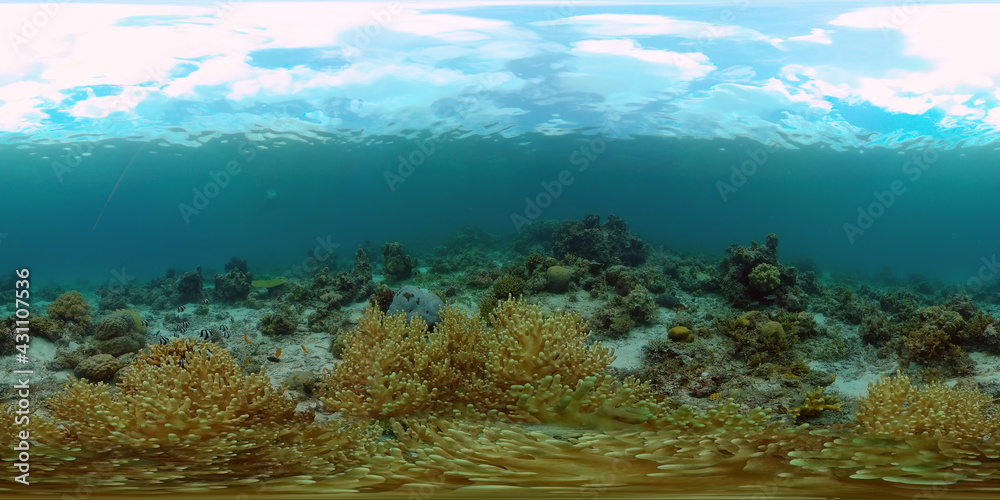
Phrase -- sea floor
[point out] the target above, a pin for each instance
(724, 355)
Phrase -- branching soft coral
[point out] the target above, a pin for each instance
(686, 443)
(931, 435)
(527, 345)
(815, 404)
(186, 414)
(528, 367)
(894, 407)
(184, 402)
(391, 367)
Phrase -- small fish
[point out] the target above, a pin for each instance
(304, 349)
(204, 301)
(157, 332)
(145, 322)
(223, 327)
(205, 333)
(232, 320)
(180, 309)
(185, 324)
(770, 297)
(276, 358)
(680, 307)
(163, 340)
(247, 339)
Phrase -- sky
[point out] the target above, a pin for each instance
(839, 73)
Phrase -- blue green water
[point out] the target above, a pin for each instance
(142, 141)
(406, 123)
(145, 206)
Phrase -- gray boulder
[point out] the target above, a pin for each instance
(416, 302)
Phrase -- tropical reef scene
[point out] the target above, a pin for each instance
(499, 249)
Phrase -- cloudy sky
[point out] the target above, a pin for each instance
(837, 72)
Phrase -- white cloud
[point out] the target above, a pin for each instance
(636, 25)
(945, 35)
(460, 29)
(993, 118)
(689, 65)
(817, 35)
(625, 74)
(400, 59)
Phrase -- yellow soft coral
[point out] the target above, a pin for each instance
(393, 367)
(183, 401)
(935, 435)
(527, 345)
(815, 404)
(530, 367)
(894, 407)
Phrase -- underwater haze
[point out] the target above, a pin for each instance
(407, 121)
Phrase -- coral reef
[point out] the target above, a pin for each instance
(353, 286)
(7, 340)
(111, 300)
(382, 298)
(465, 251)
(754, 275)
(894, 407)
(70, 307)
(38, 326)
(628, 303)
(396, 264)
(450, 404)
(504, 287)
(759, 339)
(189, 287)
(189, 403)
(327, 310)
(557, 279)
(456, 403)
(680, 334)
(275, 324)
(119, 333)
(935, 435)
(533, 263)
(234, 285)
(934, 338)
(815, 404)
(528, 367)
(607, 244)
(765, 278)
(98, 368)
